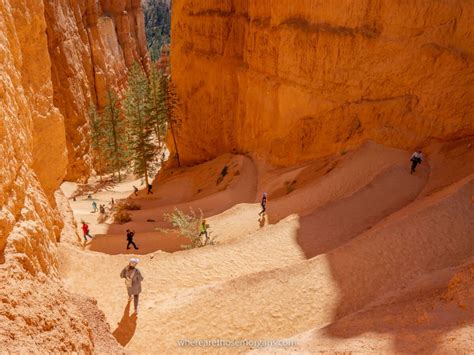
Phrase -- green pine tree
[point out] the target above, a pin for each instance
(170, 109)
(115, 135)
(137, 110)
(98, 142)
(157, 100)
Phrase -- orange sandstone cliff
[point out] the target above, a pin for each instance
(292, 80)
(91, 44)
(56, 58)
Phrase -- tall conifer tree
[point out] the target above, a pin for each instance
(98, 142)
(115, 135)
(170, 108)
(137, 110)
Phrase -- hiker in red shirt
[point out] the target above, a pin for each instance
(85, 230)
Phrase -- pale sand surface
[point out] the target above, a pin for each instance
(358, 255)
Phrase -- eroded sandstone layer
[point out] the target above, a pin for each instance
(293, 80)
(55, 60)
(91, 44)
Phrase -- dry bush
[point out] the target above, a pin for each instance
(188, 226)
(122, 216)
(127, 206)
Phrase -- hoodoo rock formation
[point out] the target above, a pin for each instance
(57, 58)
(91, 44)
(293, 80)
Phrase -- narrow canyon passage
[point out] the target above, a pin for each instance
(293, 126)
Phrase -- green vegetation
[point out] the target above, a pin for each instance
(115, 135)
(171, 108)
(137, 111)
(188, 226)
(157, 25)
(97, 134)
(130, 133)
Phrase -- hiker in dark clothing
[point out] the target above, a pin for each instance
(149, 189)
(130, 235)
(135, 190)
(263, 204)
(416, 159)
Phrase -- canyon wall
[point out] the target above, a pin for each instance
(289, 81)
(91, 44)
(56, 58)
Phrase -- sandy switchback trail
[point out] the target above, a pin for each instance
(338, 252)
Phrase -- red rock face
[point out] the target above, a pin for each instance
(289, 81)
(91, 44)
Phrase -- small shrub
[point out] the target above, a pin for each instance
(130, 206)
(122, 217)
(127, 206)
(188, 226)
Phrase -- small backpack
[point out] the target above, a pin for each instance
(129, 280)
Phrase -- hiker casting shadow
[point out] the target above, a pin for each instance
(126, 327)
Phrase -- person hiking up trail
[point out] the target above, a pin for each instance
(135, 190)
(130, 236)
(263, 203)
(94, 206)
(416, 158)
(203, 230)
(150, 187)
(85, 231)
(133, 281)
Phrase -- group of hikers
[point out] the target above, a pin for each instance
(416, 159)
(133, 277)
(148, 192)
(131, 274)
(101, 208)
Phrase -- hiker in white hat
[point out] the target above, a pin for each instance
(133, 281)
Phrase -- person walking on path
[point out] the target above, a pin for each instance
(85, 231)
(263, 204)
(416, 158)
(150, 187)
(133, 281)
(135, 190)
(130, 236)
(203, 230)
(94, 206)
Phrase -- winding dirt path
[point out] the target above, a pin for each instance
(334, 246)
